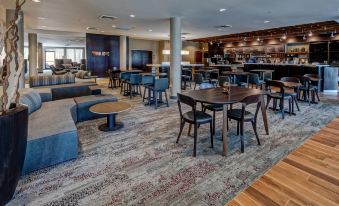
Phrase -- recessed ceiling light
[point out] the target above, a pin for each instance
(150, 30)
(134, 34)
(132, 15)
(43, 26)
(102, 31)
(114, 26)
(222, 10)
(42, 18)
(267, 21)
(36, 1)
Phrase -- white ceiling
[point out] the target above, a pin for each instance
(199, 16)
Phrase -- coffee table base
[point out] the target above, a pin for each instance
(111, 125)
(105, 128)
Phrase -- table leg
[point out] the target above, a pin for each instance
(111, 125)
(264, 114)
(224, 130)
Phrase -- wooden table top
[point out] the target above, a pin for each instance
(110, 107)
(217, 95)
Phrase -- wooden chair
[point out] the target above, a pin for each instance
(254, 79)
(309, 91)
(296, 94)
(211, 107)
(281, 96)
(242, 116)
(194, 117)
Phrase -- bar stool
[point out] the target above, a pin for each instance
(147, 81)
(160, 87)
(124, 78)
(134, 85)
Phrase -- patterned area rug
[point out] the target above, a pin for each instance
(142, 165)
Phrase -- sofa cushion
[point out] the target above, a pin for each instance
(81, 74)
(31, 99)
(66, 66)
(70, 92)
(52, 118)
(85, 102)
(47, 80)
(52, 135)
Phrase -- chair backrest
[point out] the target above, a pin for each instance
(147, 79)
(83, 67)
(198, 78)
(135, 79)
(205, 86)
(253, 99)
(188, 101)
(240, 78)
(223, 79)
(214, 75)
(53, 69)
(125, 75)
(253, 78)
(161, 84)
(278, 84)
(290, 79)
(187, 72)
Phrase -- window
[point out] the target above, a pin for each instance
(75, 54)
(26, 52)
(59, 53)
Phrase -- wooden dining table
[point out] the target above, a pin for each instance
(237, 94)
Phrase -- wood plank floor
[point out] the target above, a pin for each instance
(307, 176)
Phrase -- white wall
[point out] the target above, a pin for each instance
(148, 45)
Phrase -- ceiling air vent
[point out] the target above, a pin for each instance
(223, 26)
(124, 27)
(91, 28)
(108, 17)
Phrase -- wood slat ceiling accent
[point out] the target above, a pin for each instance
(326, 27)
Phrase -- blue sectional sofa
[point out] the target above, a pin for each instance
(52, 132)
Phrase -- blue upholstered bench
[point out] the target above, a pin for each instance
(52, 133)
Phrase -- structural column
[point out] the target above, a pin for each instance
(175, 61)
(9, 16)
(33, 52)
(124, 53)
(40, 58)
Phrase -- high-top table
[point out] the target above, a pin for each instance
(262, 73)
(111, 109)
(217, 96)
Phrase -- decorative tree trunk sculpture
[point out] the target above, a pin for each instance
(10, 70)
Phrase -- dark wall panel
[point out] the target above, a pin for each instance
(102, 43)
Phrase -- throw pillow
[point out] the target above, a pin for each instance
(31, 99)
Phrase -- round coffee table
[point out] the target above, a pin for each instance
(110, 109)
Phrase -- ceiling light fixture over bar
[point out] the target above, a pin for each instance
(277, 33)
